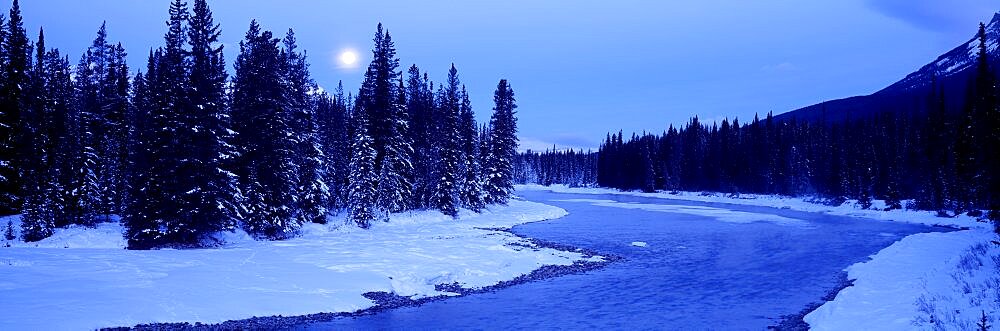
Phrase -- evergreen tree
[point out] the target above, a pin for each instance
(472, 193)
(211, 199)
(117, 92)
(447, 148)
(111, 147)
(362, 207)
(938, 146)
(381, 99)
(499, 183)
(267, 139)
(971, 155)
(312, 192)
(143, 188)
(377, 97)
(984, 322)
(180, 191)
(332, 117)
(419, 109)
(80, 182)
(8, 233)
(102, 96)
(87, 181)
(162, 215)
(8, 183)
(394, 186)
(39, 183)
(989, 132)
(16, 64)
(647, 177)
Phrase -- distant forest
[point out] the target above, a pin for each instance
(946, 161)
(181, 151)
(569, 167)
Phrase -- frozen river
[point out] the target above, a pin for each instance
(703, 266)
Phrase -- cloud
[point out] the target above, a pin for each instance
(952, 16)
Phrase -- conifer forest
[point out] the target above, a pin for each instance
(181, 150)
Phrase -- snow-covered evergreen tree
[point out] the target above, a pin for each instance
(361, 205)
(499, 168)
(39, 129)
(143, 187)
(102, 96)
(160, 215)
(179, 190)
(110, 148)
(332, 118)
(312, 192)
(381, 99)
(8, 233)
(267, 140)
(78, 166)
(419, 111)
(394, 186)
(116, 90)
(8, 185)
(86, 193)
(445, 196)
(212, 198)
(377, 97)
(15, 62)
(471, 191)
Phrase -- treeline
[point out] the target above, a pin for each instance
(569, 167)
(946, 161)
(182, 151)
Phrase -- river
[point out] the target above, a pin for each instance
(704, 266)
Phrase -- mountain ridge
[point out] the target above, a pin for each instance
(952, 69)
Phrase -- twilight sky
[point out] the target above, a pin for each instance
(581, 68)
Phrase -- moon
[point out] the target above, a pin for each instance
(348, 58)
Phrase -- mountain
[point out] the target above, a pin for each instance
(953, 71)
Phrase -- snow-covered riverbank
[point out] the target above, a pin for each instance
(806, 204)
(83, 279)
(924, 280)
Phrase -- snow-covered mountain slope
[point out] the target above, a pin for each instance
(957, 60)
(952, 71)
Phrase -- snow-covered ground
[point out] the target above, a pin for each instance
(942, 280)
(849, 208)
(83, 278)
(926, 281)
